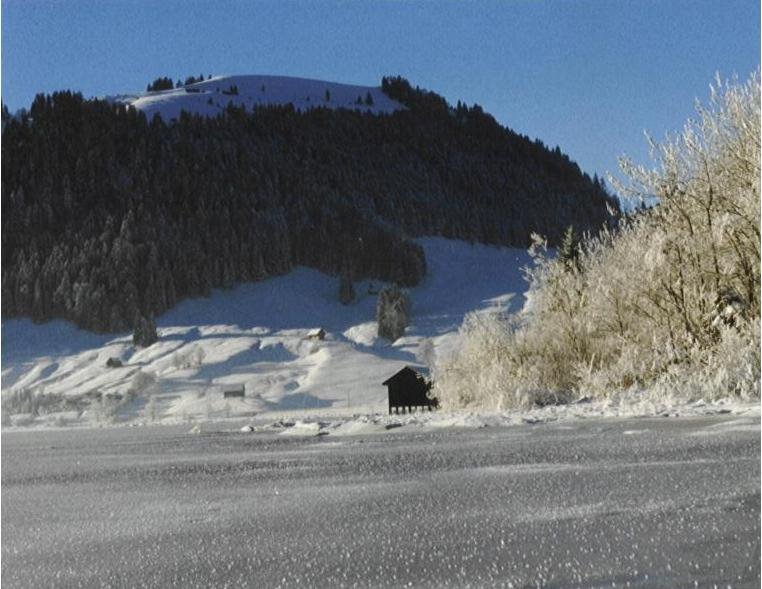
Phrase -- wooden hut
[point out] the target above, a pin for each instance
(234, 392)
(317, 333)
(407, 389)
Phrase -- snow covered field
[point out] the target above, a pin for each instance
(306, 480)
(255, 336)
(586, 503)
(212, 96)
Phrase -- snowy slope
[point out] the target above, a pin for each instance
(255, 335)
(211, 97)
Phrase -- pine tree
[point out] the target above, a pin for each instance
(160, 84)
(346, 289)
(392, 312)
(144, 333)
(569, 250)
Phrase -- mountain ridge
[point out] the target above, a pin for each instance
(212, 96)
(109, 215)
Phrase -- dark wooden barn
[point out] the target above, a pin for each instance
(407, 389)
(239, 392)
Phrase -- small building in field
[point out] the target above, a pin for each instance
(317, 333)
(234, 392)
(114, 363)
(408, 389)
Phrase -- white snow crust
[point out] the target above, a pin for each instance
(211, 97)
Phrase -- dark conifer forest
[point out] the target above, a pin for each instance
(108, 216)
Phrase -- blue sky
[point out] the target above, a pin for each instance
(587, 75)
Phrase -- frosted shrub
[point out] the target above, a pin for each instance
(151, 410)
(198, 355)
(188, 357)
(731, 368)
(142, 383)
(479, 373)
(30, 401)
(106, 408)
(427, 354)
(19, 401)
(178, 360)
(665, 305)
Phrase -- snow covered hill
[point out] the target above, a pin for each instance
(212, 96)
(255, 335)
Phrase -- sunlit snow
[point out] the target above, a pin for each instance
(255, 335)
(211, 97)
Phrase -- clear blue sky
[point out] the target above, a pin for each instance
(588, 75)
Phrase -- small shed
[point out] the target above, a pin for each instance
(318, 333)
(407, 389)
(114, 363)
(234, 392)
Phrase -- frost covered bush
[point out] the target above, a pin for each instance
(666, 305)
(105, 408)
(29, 401)
(143, 383)
(477, 374)
(150, 410)
(188, 357)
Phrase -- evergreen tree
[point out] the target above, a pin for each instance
(346, 289)
(392, 312)
(144, 333)
(159, 84)
(569, 250)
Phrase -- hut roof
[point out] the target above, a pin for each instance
(421, 373)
